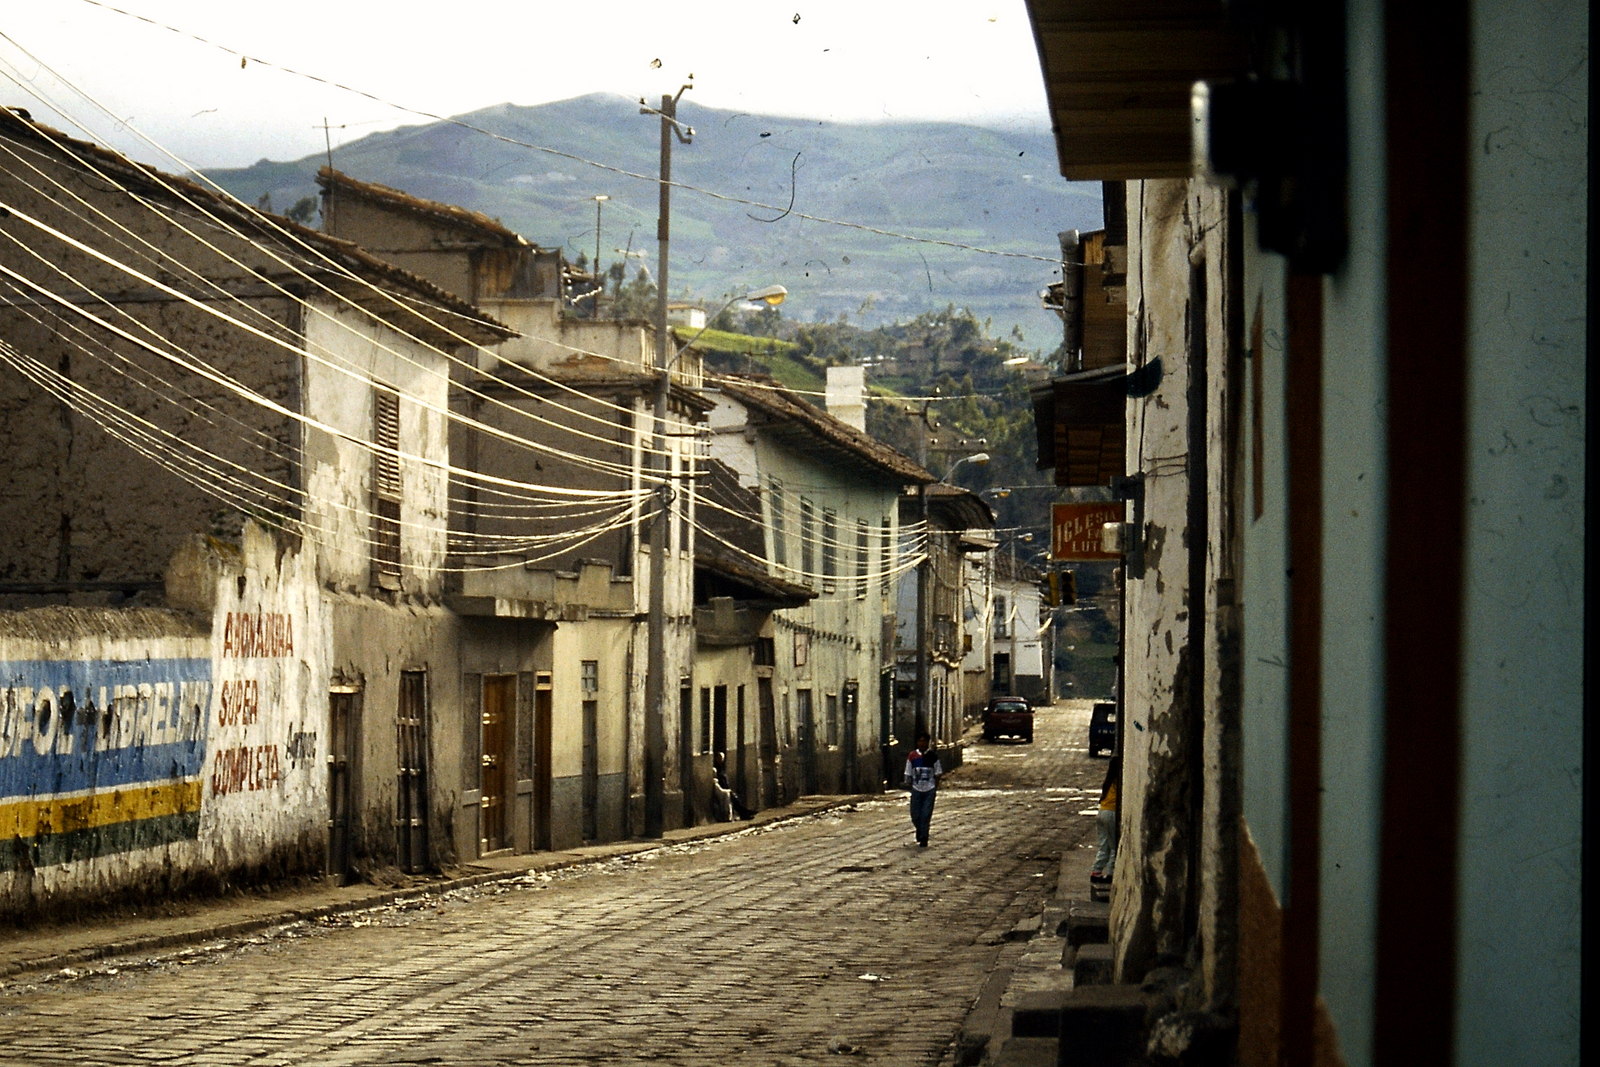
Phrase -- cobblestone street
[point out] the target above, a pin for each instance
(815, 940)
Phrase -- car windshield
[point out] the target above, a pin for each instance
(1011, 705)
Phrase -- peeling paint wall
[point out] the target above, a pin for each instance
(1171, 851)
(347, 350)
(141, 754)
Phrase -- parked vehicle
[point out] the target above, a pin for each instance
(1008, 717)
(1103, 729)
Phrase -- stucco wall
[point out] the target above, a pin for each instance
(1524, 693)
(835, 641)
(1152, 878)
(345, 351)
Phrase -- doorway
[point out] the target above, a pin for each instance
(411, 740)
(850, 708)
(767, 741)
(543, 747)
(495, 779)
(344, 719)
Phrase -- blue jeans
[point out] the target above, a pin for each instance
(922, 812)
(1106, 856)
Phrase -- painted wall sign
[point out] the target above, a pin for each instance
(1075, 530)
(257, 635)
(100, 756)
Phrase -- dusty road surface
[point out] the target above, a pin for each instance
(825, 939)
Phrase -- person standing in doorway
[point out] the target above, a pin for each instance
(923, 771)
(1105, 857)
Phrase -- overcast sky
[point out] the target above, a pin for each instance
(827, 59)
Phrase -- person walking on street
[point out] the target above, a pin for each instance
(923, 771)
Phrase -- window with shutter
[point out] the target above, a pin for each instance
(386, 488)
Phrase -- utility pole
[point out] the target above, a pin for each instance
(655, 682)
(599, 275)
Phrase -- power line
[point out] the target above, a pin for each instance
(570, 156)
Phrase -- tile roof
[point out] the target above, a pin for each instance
(779, 407)
(252, 224)
(450, 214)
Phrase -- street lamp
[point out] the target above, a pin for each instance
(924, 583)
(770, 295)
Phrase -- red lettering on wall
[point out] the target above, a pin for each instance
(257, 634)
(240, 702)
(246, 769)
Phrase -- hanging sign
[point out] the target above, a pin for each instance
(1076, 530)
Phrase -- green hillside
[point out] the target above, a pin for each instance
(993, 188)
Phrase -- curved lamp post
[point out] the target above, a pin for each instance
(770, 295)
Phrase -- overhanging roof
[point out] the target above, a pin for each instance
(744, 581)
(1119, 75)
(1081, 420)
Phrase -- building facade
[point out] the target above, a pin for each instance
(1352, 419)
(227, 652)
(829, 521)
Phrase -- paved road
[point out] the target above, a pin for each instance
(803, 942)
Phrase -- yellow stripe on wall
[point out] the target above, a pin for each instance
(56, 815)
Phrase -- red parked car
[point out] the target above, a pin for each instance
(1008, 717)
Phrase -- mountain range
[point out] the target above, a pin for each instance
(751, 193)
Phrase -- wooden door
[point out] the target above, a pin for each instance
(495, 782)
(344, 715)
(411, 757)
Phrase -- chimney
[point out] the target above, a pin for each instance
(847, 396)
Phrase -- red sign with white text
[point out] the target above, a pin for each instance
(1075, 530)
